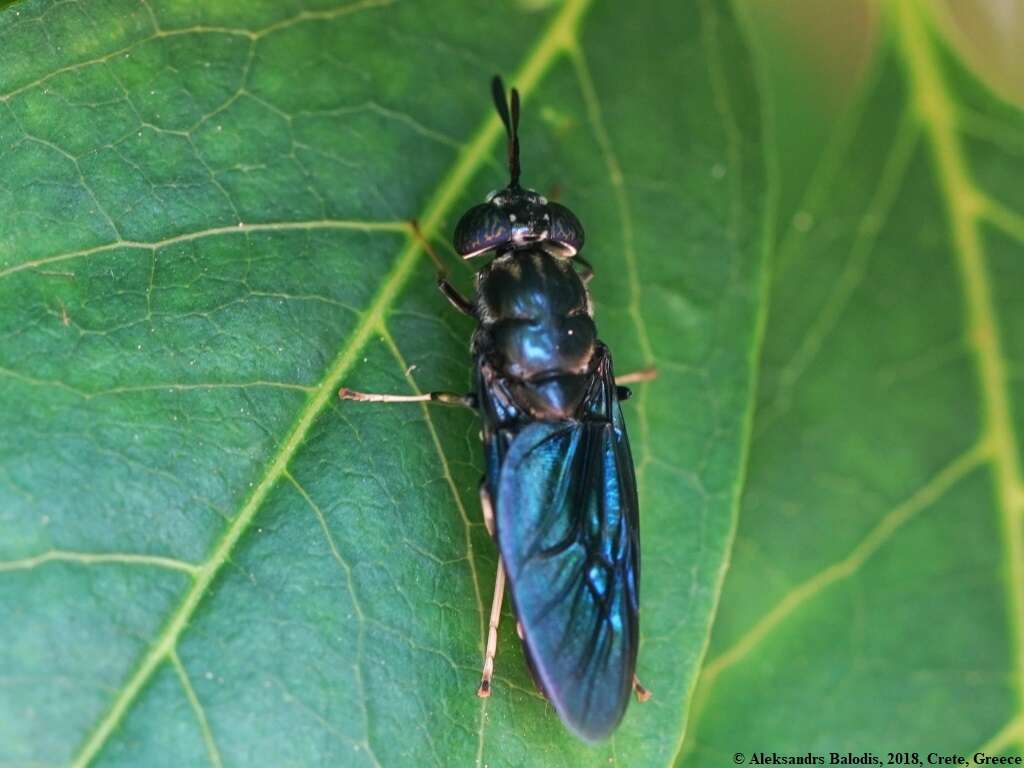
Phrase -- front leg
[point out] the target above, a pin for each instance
(456, 299)
(584, 267)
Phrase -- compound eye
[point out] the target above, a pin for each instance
(564, 228)
(482, 228)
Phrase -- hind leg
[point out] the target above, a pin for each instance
(484, 689)
(642, 694)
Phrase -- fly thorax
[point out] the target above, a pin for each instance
(535, 316)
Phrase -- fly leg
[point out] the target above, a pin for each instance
(586, 270)
(644, 374)
(484, 690)
(456, 299)
(486, 507)
(642, 694)
(449, 398)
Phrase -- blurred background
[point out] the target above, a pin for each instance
(817, 54)
(872, 601)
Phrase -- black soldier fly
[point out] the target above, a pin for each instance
(559, 494)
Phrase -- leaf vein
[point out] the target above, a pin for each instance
(852, 274)
(725, 109)
(197, 708)
(170, 386)
(930, 93)
(997, 214)
(97, 558)
(236, 229)
(356, 604)
(1011, 733)
(466, 522)
(918, 502)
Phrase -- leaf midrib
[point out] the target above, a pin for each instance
(557, 37)
(966, 204)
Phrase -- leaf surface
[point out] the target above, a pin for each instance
(204, 231)
(876, 595)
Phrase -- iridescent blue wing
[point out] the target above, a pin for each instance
(567, 528)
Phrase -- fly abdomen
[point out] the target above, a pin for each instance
(552, 397)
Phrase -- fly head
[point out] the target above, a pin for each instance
(514, 216)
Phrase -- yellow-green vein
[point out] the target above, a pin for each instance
(357, 606)
(197, 709)
(1011, 733)
(604, 141)
(727, 116)
(97, 558)
(392, 345)
(891, 181)
(997, 214)
(927, 495)
(169, 386)
(936, 109)
(234, 229)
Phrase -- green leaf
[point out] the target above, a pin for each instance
(876, 595)
(204, 232)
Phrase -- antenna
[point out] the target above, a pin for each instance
(511, 125)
